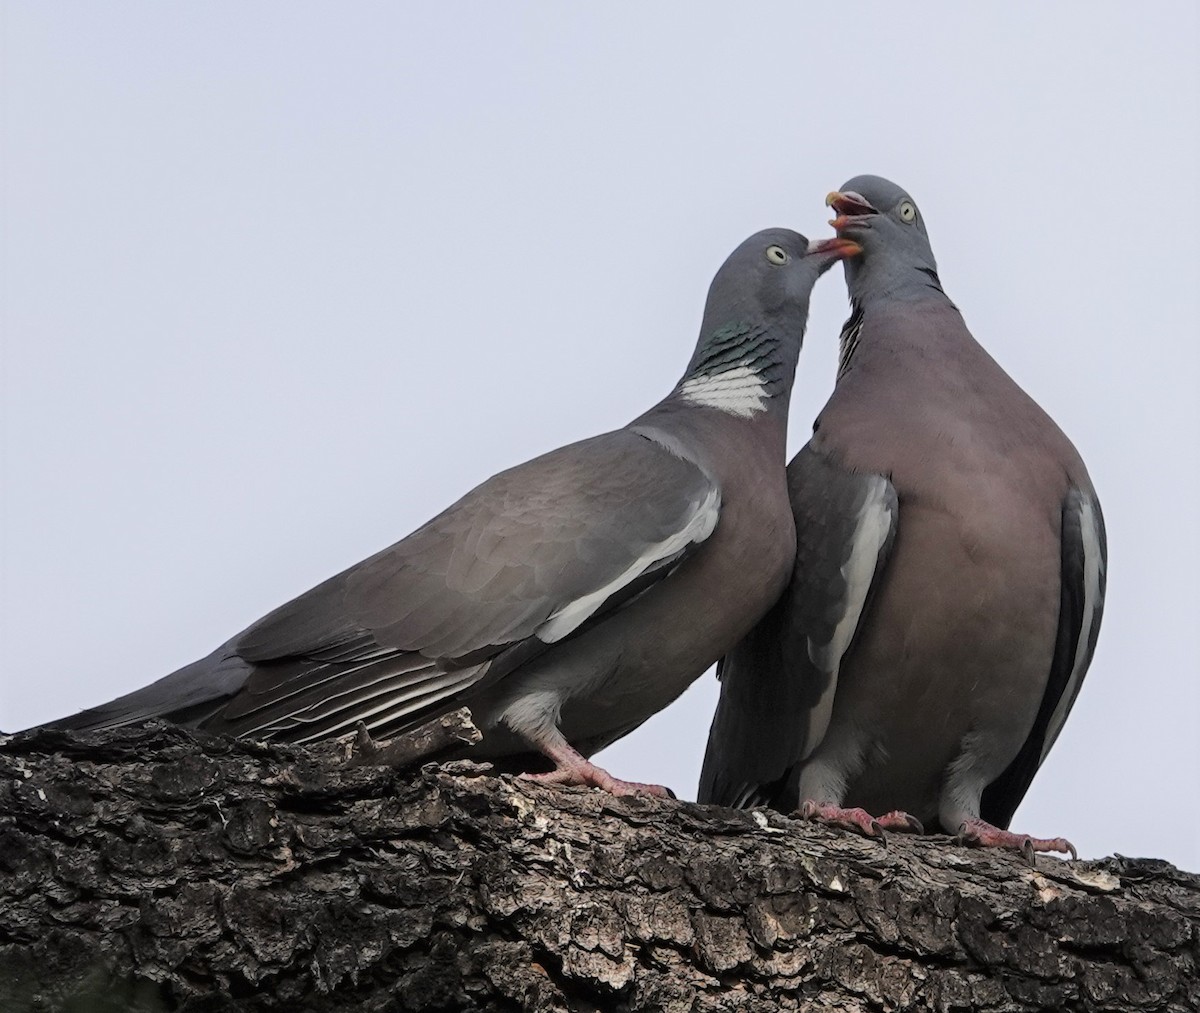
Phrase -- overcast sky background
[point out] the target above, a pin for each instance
(281, 281)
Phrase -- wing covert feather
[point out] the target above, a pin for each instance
(521, 561)
(777, 686)
(1083, 581)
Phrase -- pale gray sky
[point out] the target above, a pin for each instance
(280, 281)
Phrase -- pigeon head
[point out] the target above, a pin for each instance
(754, 321)
(897, 260)
(770, 277)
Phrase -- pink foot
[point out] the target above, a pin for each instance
(586, 774)
(860, 820)
(983, 835)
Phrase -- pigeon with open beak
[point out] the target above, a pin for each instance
(949, 579)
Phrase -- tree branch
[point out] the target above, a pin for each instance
(450, 731)
(157, 869)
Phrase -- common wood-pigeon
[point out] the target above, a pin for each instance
(566, 600)
(949, 577)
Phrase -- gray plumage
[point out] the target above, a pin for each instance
(575, 594)
(949, 578)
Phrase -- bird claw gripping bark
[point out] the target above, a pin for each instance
(572, 768)
(588, 775)
(861, 821)
(982, 834)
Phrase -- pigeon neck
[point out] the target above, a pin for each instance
(886, 284)
(848, 339)
(742, 369)
(893, 279)
(877, 329)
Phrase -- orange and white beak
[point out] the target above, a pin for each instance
(850, 208)
(843, 248)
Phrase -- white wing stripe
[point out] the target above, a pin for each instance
(870, 534)
(1093, 565)
(572, 615)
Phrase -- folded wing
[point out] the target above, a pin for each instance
(523, 561)
(778, 685)
(1083, 582)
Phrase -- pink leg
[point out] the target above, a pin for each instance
(572, 769)
(982, 834)
(860, 820)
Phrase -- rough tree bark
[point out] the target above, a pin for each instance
(154, 869)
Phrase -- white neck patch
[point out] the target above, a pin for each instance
(739, 391)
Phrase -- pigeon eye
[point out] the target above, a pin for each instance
(908, 211)
(777, 255)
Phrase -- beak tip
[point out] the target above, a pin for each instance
(840, 247)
